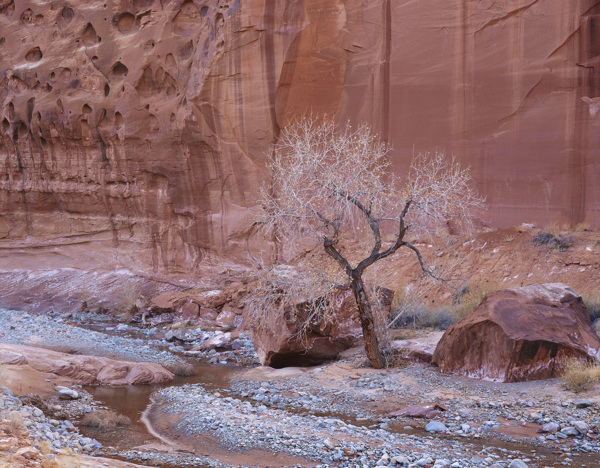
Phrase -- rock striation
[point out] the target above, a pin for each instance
(81, 369)
(136, 132)
(519, 334)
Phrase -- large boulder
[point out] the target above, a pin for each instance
(280, 341)
(519, 334)
(82, 369)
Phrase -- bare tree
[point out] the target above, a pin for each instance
(331, 186)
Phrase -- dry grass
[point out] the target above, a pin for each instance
(181, 369)
(105, 419)
(580, 376)
(472, 297)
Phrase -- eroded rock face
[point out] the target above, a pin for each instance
(281, 340)
(136, 132)
(84, 370)
(519, 334)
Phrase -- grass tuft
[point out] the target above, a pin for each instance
(105, 419)
(181, 369)
(579, 376)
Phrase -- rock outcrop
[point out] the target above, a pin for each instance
(136, 132)
(292, 339)
(519, 334)
(84, 370)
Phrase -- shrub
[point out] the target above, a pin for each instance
(552, 240)
(181, 369)
(423, 316)
(580, 376)
(470, 298)
(105, 419)
(592, 302)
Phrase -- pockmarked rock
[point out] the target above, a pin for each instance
(171, 109)
(519, 334)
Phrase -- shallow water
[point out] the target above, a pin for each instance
(132, 401)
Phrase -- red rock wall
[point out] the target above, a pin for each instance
(134, 133)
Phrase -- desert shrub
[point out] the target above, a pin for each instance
(423, 316)
(553, 240)
(105, 419)
(181, 369)
(580, 376)
(592, 302)
(471, 297)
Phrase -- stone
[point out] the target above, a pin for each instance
(435, 426)
(68, 394)
(582, 403)
(220, 342)
(208, 314)
(180, 334)
(519, 334)
(581, 426)
(418, 411)
(190, 311)
(280, 342)
(517, 464)
(549, 427)
(569, 431)
(225, 319)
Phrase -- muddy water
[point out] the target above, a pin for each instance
(132, 401)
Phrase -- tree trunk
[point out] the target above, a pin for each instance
(365, 314)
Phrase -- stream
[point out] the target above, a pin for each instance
(132, 401)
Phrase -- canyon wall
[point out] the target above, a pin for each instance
(134, 133)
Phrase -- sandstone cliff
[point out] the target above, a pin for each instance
(134, 132)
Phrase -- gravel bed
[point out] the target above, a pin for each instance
(325, 440)
(57, 433)
(53, 331)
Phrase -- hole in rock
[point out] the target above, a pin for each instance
(106, 90)
(170, 61)
(89, 36)
(22, 130)
(2, 41)
(125, 22)
(86, 109)
(119, 70)
(66, 16)
(65, 74)
(5, 125)
(186, 51)
(118, 120)
(33, 55)
(27, 17)
(30, 106)
(204, 11)
(39, 20)
(8, 9)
